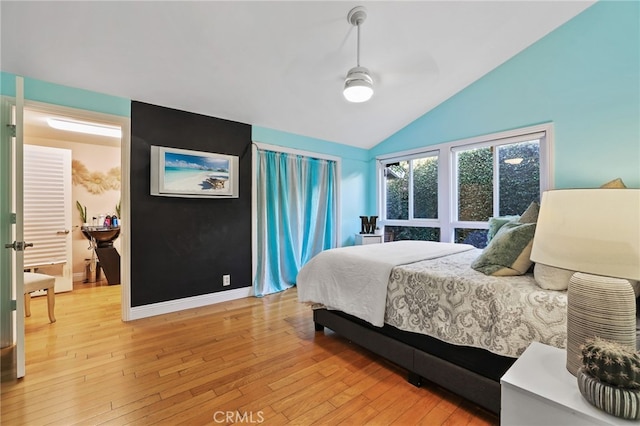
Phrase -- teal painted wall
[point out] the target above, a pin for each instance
(584, 77)
(42, 91)
(354, 184)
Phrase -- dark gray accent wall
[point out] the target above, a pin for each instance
(181, 247)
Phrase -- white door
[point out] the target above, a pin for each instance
(7, 223)
(6, 226)
(18, 271)
(13, 244)
(47, 213)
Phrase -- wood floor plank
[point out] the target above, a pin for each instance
(418, 411)
(282, 367)
(244, 357)
(405, 401)
(437, 416)
(345, 411)
(255, 399)
(318, 412)
(358, 383)
(366, 416)
(293, 405)
(140, 414)
(114, 413)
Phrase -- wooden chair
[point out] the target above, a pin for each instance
(34, 282)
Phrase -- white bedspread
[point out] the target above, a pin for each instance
(354, 279)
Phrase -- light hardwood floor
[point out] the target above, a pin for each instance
(253, 360)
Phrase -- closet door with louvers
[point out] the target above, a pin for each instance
(47, 213)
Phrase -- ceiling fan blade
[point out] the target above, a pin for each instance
(418, 63)
(345, 38)
(395, 73)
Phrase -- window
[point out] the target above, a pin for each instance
(450, 192)
(412, 188)
(474, 168)
(411, 194)
(519, 176)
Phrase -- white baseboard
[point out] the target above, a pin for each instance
(138, 312)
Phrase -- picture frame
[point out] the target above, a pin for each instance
(193, 174)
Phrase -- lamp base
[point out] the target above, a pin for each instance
(598, 306)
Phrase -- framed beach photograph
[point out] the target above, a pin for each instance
(185, 173)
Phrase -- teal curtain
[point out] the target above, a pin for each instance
(296, 216)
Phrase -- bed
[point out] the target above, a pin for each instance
(420, 305)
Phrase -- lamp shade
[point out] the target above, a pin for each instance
(596, 231)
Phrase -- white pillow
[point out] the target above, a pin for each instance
(551, 278)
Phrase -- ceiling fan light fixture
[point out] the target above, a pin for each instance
(358, 86)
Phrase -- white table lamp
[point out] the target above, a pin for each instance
(596, 233)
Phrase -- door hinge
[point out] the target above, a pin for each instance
(13, 304)
(13, 218)
(12, 130)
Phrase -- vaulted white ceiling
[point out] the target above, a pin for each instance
(275, 64)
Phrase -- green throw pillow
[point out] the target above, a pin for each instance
(530, 215)
(508, 252)
(495, 223)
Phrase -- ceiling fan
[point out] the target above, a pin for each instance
(359, 82)
(397, 70)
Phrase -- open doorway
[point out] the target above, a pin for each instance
(96, 188)
(12, 351)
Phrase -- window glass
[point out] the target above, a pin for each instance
(425, 187)
(475, 237)
(475, 184)
(397, 233)
(519, 176)
(397, 190)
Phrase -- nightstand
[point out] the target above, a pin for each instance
(362, 239)
(538, 390)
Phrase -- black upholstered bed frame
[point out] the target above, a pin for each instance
(469, 372)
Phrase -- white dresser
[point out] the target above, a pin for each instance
(362, 239)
